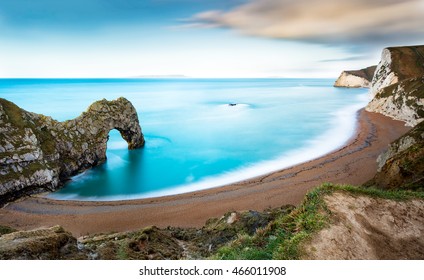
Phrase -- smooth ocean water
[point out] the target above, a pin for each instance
(194, 139)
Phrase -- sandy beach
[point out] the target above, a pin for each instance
(354, 163)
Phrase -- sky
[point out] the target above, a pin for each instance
(199, 38)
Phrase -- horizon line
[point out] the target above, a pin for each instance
(166, 77)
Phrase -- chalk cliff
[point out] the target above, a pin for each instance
(38, 153)
(398, 85)
(356, 78)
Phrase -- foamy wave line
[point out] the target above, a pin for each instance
(342, 129)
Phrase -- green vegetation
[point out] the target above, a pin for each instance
(148, 243)
(14, 113)
(283, 238)
(6, 230)
(47, 142)
(19, 121)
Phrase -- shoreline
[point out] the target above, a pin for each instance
(343, 125)
(352, 163)
(339, 128)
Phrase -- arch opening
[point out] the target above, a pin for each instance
(116, 140)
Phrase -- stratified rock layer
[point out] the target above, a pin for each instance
(398, 85)
(356, 78)
(38, 153)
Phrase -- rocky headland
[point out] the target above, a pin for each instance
(38, 153)
(356, 78)
(398, 85)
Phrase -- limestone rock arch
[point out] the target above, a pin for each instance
(38, 153)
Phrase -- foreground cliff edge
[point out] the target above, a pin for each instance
(333, 222)
(38, 153)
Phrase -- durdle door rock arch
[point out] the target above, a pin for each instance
(38, 153)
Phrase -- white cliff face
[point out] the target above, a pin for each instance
(351, 81)
(398, 85)
(384, 75)
(402, 101)
(356, 78)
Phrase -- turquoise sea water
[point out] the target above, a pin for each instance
(194, 139)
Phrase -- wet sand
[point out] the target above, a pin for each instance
(355, 163)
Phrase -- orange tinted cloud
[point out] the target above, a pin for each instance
(324, 21)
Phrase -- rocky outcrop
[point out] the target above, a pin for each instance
(398, 64)
(398, 84)
(356, 78)
(150, 243)
(402, 165)
(40, 244)
(402, 101)
(38, 153)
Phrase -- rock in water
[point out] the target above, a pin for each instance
(398, 85)
(356, 78)
(38, 153)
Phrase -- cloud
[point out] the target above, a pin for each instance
(324, 21)
(350, 58)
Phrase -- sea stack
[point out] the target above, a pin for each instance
(38, 153)
(356, 78)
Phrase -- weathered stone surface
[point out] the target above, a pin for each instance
(401, 101)
(38, 153)
(150, 243)
(397, 64)
(356, 78)
(402, 165)
(43, 244)
(398, 85)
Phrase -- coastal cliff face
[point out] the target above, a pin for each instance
(356, 78)
(402, 165)
(398, 85)
(38, 153)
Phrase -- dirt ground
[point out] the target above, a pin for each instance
(363, 227)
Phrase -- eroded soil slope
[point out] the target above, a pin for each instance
(364, 227)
